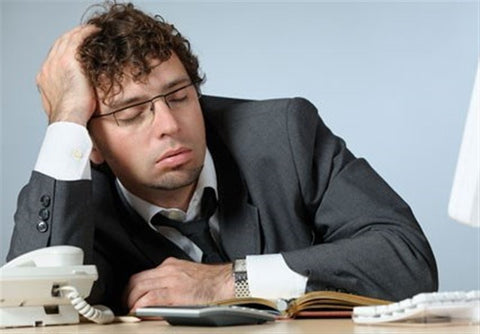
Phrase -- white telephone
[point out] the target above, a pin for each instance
(47, 287)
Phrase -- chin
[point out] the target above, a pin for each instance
(177, 179)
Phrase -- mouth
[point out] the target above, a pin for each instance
(175, 157)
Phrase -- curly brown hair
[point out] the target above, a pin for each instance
(128, 40)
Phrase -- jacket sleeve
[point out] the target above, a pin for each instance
(51, 212)
(367, 240)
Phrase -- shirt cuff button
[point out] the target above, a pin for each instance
(77, 154)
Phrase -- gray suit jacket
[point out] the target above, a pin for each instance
(286, 185)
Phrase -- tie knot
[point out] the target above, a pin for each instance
(198, 230)
(172, 217)
(174, 214)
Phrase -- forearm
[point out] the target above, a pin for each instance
(65, 220)
(378, 263)
(367, 240)
(53, 208)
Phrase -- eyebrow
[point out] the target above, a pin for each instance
(166, 88)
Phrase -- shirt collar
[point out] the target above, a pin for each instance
(207, 178)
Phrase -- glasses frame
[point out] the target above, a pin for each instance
(151, 100)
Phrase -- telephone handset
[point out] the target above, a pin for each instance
(47, 287)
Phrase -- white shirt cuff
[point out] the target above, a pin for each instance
(270, 277)
(65, 152)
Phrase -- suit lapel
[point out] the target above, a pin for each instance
(238, 220)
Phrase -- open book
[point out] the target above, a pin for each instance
(311, 304)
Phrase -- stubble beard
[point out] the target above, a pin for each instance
(170, 181)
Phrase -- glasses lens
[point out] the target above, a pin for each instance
(134, 116)
(179, 98)
(143, 112)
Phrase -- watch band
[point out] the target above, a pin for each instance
(240, 277)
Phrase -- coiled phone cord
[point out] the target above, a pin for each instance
(99, 314)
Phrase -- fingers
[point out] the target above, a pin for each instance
(136, 281)
(140, 285)
(151, 298)
(146, 291)
(178, 282)
(155, 292)
(153, 285)
(64, 49)
(45, 102)
(64, 89)
(72, 38)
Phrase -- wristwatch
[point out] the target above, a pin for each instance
(240, 277)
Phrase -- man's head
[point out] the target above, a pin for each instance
(127, 41)
(158, 145)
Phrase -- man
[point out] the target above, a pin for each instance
(182, 186)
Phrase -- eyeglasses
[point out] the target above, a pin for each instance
(142, 113)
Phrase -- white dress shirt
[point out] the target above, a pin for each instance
(64, 155)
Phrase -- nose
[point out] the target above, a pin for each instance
(164, 120)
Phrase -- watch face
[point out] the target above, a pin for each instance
(241, 276)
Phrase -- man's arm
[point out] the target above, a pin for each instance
(66, 96)
(367, 239)
(48, 209)
(55, 206)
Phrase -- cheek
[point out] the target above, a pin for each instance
(125, 158)
(115, 146)
(196, 127)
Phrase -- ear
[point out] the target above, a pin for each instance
(96, 156)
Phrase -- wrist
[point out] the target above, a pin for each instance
(66, 117)
(78, 112)
(227, 290)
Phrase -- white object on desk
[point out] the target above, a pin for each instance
(30, 287)
(456, 306)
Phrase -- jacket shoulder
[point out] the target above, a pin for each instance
(222, 112)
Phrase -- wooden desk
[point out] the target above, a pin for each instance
(313, 326)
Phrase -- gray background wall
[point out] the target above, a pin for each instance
(393, 78)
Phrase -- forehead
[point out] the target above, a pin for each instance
(161, 77)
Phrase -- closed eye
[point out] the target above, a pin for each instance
(132, 114)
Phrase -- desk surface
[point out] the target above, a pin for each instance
(298, 326)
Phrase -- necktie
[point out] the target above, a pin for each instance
(197, 230)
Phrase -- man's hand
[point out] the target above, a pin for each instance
(65, 90)
(179, 282)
